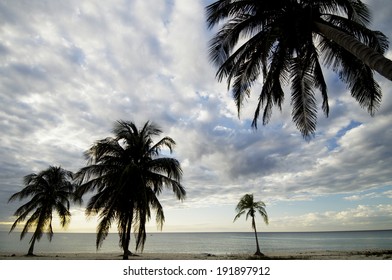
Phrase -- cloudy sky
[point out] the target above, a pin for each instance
(70, 69)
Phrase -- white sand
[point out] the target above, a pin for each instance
(317, 255)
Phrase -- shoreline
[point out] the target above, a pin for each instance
(313, 255)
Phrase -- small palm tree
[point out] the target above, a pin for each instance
(127, 172)
(51, 190)
(248, 205)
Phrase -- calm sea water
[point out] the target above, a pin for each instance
(214, 243)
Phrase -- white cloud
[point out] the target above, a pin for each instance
(363, 196)
(360, 217)
(388, 194)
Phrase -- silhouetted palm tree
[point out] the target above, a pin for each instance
(251, 207)
(127, 173)
(51, 190)
(282, 40)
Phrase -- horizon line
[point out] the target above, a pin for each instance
(160, 232)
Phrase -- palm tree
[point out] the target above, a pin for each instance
(281, 40)
(50, 190)
(128, 173)
(248, 205)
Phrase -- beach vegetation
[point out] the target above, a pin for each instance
(127, 172)
(251, 208)
(286, 42)
(51, 190)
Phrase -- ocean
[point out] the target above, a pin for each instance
(212, 243)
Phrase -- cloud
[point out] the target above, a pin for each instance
(69, 70)
(360, 217)
(361, 196)
(388, 194)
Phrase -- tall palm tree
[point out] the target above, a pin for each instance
(282, 40)
(127, 173)
(51, 190)
(251, 207)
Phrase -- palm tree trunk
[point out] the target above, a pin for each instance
(127, 239)
(126, 244)
(31, 249)
(369, 56)
(258, 253)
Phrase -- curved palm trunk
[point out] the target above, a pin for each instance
(37, 232)
(371, 58)
(258, 253)
(31, 249)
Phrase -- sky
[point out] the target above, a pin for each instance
(70, 69)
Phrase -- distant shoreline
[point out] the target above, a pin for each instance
(315, 255)
(193, 232)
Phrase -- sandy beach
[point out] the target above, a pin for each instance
(316, 255)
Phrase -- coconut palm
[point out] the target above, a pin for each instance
(51, 190)
(251, 207)
(283, 41)
(127, 174)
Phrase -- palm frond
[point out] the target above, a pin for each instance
(106, 218)
(249, 206)
(164, 142)
(272, 91)
(239, 214)
(303, 100)
(227, 8)
(33, 221)
(268, 38)
(358, 77)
